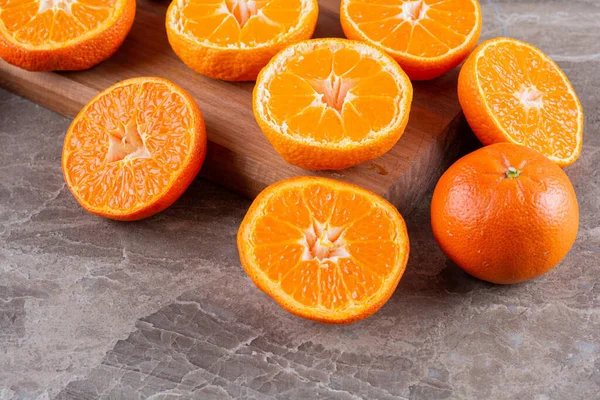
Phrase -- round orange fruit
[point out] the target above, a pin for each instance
(332, 103)
(233, 39)
(49, 35)
(512, 92)
(505, 213)
(134, 149)
(323, 249)
(426, 37)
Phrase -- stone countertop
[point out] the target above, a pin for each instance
(92, 308)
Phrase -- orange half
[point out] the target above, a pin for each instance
(45, 35)
(332, 103)
(510, 91)
(426, 37)
(234, 39)
(134, 149)
(323, 249)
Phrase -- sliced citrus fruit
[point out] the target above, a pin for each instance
(134, 149)
(323, 249)
(233, 39)
(426, 37)
(47, 35)
(332, 103)
(512, 92)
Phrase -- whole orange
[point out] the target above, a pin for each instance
(505, 213)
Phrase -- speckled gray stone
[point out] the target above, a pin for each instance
(91, 308)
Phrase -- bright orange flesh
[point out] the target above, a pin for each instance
(134, 149)
(512, 92)
(52, 34)
(426, 37)
(323, 249)
(240, 23)
(234, 39)
(332, 103)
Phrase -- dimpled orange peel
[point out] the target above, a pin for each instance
(505, 213)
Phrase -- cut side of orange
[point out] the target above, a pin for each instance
(45, 35)
(134, 149)
(510, 91)
(234, 39)
(426, 37)
(323, 249)
(332, 103)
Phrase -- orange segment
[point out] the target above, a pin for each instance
(269, 229)
(15, 16)
(278, 258)
(324, 250)
(332, 103)
(379, 255)
(426, 37)
(234, 39)
(45, 35)
(65, 27)
(360, 280)
(134, 149)
(320, 200)
(332, 287)
(512, 92)
(301, 283)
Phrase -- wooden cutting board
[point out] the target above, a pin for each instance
(239, 156)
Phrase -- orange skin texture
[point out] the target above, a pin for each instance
(185, 177)
(505, 230)
(481, 121)
(417, 68)
(273, 291)
(228, 64)
(325, 156)
(74, 57)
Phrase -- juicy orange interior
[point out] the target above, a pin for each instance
(127, 146)
(325, 247)
(425, 28)
(333, 94)
(529, 98)
(43, 22)
(239, 23)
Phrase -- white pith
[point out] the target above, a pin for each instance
(175, 21)
(56, 5)
(247, 9)
(128, 144)
(413, 11)
(324, 243)
(530, 97)
(333, 90)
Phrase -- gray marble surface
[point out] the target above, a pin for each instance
(91, 308)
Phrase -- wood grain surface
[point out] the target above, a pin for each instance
(239, 156)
